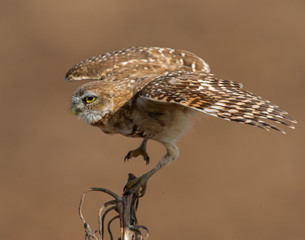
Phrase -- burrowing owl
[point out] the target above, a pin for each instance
(151, 92)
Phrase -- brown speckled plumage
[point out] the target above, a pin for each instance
(150, 92)
(216, 97)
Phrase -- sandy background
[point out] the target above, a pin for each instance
(231, 181)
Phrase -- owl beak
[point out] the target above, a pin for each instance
(74, 111)
(75, 103)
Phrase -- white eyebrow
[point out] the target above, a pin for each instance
(88, 94)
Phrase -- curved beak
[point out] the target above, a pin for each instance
(74, 111)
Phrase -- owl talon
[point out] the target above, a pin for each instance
(137, 184)
(141, 150)
(135, 153)
(128, 156)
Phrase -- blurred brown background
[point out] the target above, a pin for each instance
(231, 181)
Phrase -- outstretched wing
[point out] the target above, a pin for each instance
(216, 97)
(134, 63)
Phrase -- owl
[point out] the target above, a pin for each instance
(151, 93)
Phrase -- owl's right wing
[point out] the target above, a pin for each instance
(220, 98)
(134, 63)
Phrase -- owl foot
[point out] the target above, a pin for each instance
(135, 153)
(137, 184)
(141, 150)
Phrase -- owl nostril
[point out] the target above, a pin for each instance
(75, 100)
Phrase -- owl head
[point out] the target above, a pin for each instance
(95, 102)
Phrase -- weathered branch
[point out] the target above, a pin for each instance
(125, 207)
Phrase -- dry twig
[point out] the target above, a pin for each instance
(125, 207)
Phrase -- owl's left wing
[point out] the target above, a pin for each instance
(220, 98)
(136, 62)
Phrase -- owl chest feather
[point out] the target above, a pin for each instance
(163, 122)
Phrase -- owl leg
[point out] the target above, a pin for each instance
(141, 182)
(141, 150)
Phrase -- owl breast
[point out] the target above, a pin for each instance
(163, 122)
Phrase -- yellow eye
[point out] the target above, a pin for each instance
(90, 99)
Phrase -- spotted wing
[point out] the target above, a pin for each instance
(216, 97)
(134, 63)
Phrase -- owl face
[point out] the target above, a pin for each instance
(92, 103)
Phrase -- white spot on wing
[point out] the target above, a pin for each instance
(194, 66)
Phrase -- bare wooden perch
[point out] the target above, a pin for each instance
(125, 207)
